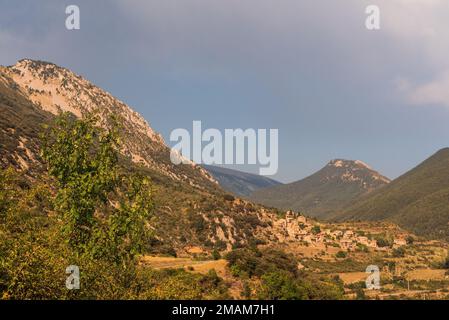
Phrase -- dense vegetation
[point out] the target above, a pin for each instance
(273, 274)
(90, 212)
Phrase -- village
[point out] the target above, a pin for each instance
(298, 228)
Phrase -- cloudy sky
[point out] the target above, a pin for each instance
(307, 67)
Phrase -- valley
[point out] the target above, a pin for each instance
(221, 234)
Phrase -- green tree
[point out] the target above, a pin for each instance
(316, 229)
(83, 160)
(105, 208)
(280, 285)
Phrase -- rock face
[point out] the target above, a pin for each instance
(54, 89)
(325, 192)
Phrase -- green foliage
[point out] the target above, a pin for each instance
(216, 254)
(341, 254)
(316, 229)
(253, 262)
(246, 292)
(281, 285)
(99, 221)
(384, 240)
(279, 276)
(410, 240)
(83, 160)
(228, 197)
(179, 284)
(398, 252)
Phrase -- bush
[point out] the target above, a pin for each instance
(410, 240)
(97, 221)
(216, 254)
(399, 252)
(280, 285)
(383, 241)
(252, 262)
(445, 264)
(246, 292)
(316, 229)
(228, 197)
(341, 254)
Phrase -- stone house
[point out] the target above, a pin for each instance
(399, 242)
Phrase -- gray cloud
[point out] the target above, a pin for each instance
(309, 68)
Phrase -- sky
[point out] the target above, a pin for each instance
(309, 68)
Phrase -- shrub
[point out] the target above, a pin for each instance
(398, 252)
(253, 262)
(280, 285)
(216, 254)
(445, 264)
(410, 240)
(228, 197)
(384, 241)
(316, 229)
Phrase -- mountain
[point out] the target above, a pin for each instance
(320, 195)
(417, 201)
(239, 183)
(192, 209)
(54, 89)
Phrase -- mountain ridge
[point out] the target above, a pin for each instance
(238, 182)
(191, 207)
(417, 200)
(55, 89)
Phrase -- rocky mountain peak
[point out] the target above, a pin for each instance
(343, 163)
(353, 171)
(57, 89)
(54, 89)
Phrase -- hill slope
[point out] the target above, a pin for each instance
(191, 209)
(418, 200)
(238, 182)
(335, 186)
(54, 89)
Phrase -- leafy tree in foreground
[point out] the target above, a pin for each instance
(105, 209)
(97, 220)
(83, 160)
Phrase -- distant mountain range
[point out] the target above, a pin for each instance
(417, 201)
(325, 192)
(33, 92)
(239, 183)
